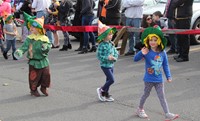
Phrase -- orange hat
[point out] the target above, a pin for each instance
(103, 31)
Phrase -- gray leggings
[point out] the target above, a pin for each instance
(160, 92)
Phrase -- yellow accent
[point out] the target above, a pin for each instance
(42, 38)
(149, 37)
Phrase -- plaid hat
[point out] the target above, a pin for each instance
(154, 32)
(103, 31)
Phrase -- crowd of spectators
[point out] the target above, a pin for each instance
(109, 12)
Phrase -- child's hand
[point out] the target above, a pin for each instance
(169, 80)
(110, 57)
(15, 33)
(18, 54)
(44, 46)
(145, 50)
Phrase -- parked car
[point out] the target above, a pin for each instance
(159, 5)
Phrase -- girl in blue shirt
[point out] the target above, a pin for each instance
(155, 59)
(107, 55)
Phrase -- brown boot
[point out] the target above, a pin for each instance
(44, 91)
(35, 93)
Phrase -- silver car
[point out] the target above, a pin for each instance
(159, 5)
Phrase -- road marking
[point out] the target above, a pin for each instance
(195, 49)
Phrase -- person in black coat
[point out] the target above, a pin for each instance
(77, 22)
(87, 17)
(113, 15)
(183, 14)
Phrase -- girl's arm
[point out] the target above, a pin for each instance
(138, 56)
(166, 66)
(141, 54)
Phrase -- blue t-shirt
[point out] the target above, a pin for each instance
(154, 62)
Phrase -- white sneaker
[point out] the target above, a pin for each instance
(141, 113)
(99, 93)
(109, 98)
(171, 116)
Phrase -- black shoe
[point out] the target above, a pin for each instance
(69, 46)
(64, 48)
(171, 52)
(176, 57)
(93, 49)
(14, 57)
(129, 53)
(55, 46)
(88, 47)
(5, 55)
(79, 49)
(182, 59)
(83, 51)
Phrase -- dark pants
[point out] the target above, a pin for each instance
(39, 77)
(172, 37)
(109, 78)
(9, 44)
(86, 21)
(183, 41)
(66, 35)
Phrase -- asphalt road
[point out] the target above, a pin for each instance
(73, 90)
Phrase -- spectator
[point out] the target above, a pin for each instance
(1, 35)
(87, 17)
(147, 21)
(183, 15)
(63, 13)
(169, 13)
(53, 19)
(77, 22)
(158, 21)
(133, 14)
(109, 12)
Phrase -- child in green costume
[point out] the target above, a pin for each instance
(37, 46)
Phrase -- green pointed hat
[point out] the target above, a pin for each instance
(156, 32)
(103, 31)
(27, 17)
(35, 22)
